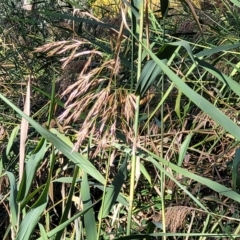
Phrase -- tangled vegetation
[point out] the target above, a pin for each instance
(120, 122)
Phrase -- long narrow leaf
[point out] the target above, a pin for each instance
(183, 149)
(32, 217)
(149, 73)
(235, 171)
(114, 190)
(12, 138)
(75, 157)
(13, 197)
(199, 100)
(30, 221)
(68, 202)
(89, 217)
(31, 167)
(66, 223)
(218, 49)
(235, 86)
(43, 232)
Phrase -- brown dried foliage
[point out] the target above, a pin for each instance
(176, 217)
(106, 108)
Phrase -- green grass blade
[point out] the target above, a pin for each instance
(30, 221)
(29, 173)
(178, 235)
(26, 200)
(164, 7)
(164, 97)
(32, 165)
(33, 215)
(185, 45)
(120, 198)
(63, 137)
(217, 49)
(149, 73)
(89, 217)
(235, 86)
(235, 171)
(68, 202)
(12, 138)
(42, 232)
(114, 190)
(13, 197)
(145, 174)
(199, 100)
(22, 188)
(166, 51)
(54, 231)
(236, 2)
(74, 156)
(221, 189)
(178, 106)
(183, 149)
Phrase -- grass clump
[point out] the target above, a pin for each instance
(133, 122)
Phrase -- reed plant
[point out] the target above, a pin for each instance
(122, 126)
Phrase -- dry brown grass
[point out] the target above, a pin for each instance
(176, 217)
(94, 92)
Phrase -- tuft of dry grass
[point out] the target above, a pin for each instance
(105, 116)
(93, 93)
(176, 217)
